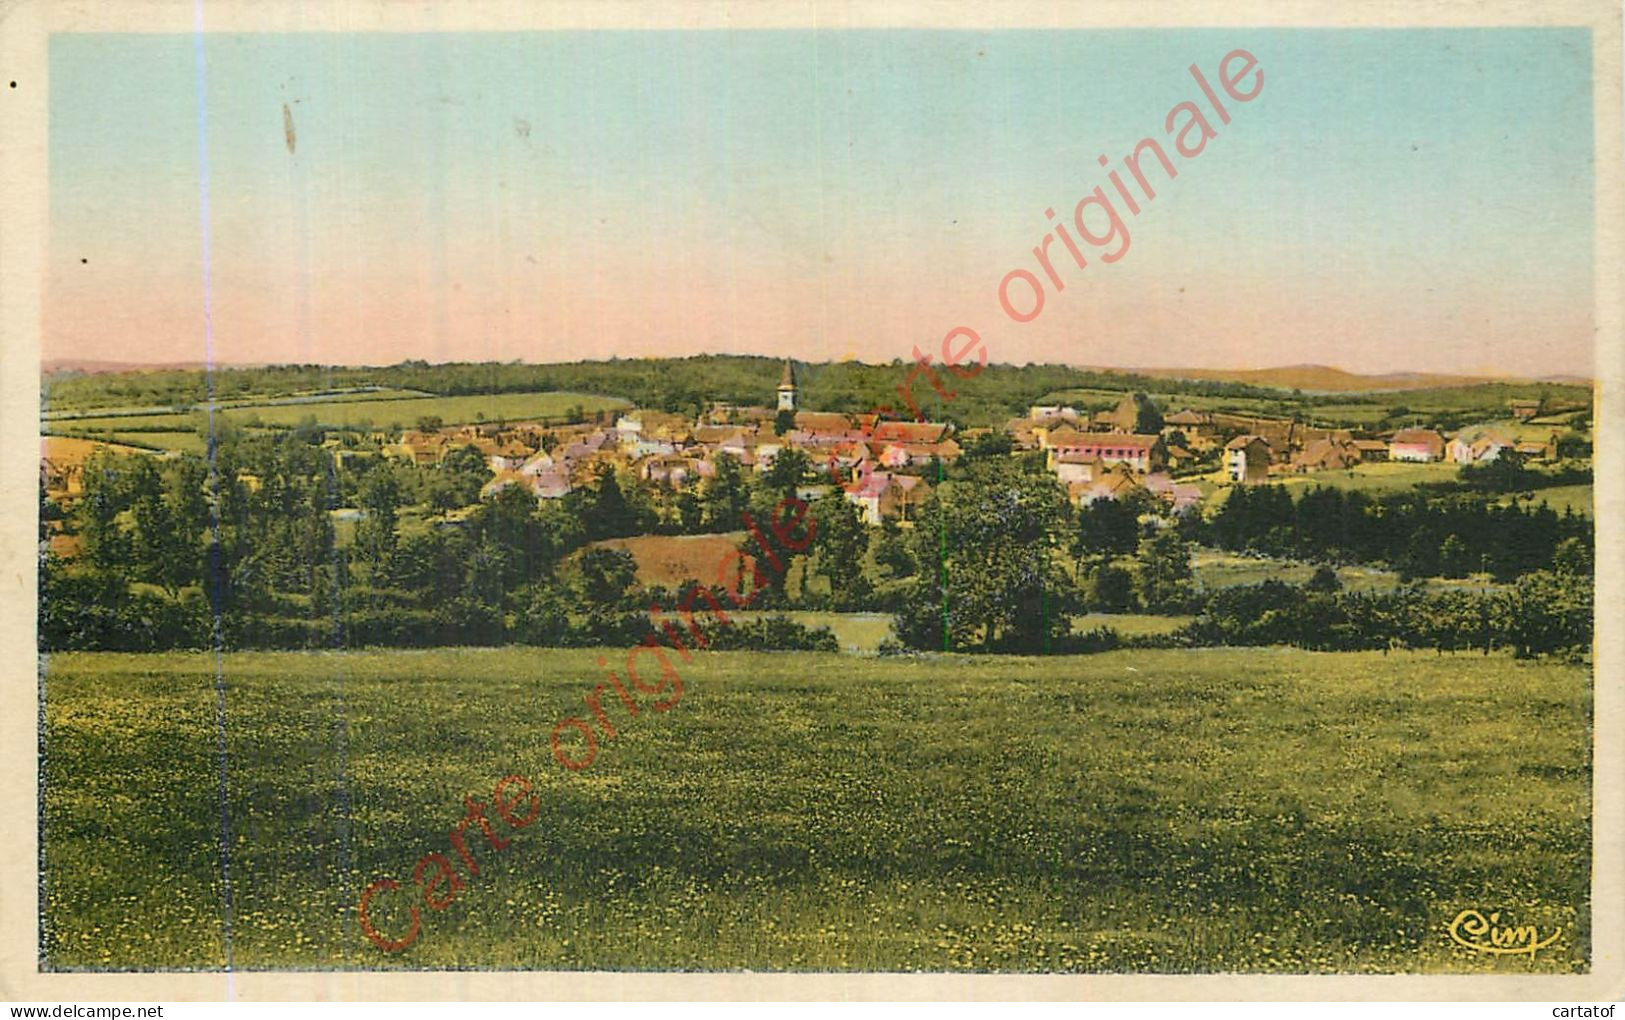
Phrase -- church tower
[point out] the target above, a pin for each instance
(787, 389)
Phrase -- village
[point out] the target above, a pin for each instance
(887, 468)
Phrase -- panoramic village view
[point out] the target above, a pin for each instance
(501, 504)
(322, 527)
(1256, 634)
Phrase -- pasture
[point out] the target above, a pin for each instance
(669, 560)
(1140, 811)
(1562, 498)
(857, 633)
(374, 410)
(183, 442)
(1217, 568)
(1374, 477)
(55, 412)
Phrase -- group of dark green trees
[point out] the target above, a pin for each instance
(241, 548)
(1542, 612)
(1417, 534)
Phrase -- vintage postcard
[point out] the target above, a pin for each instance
(787, 500)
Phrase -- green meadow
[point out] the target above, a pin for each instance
(1375, 477)
(185, 442)
(1216, 568)
(56, 410)
(173, 430)
(1238, 810)
(1579, 498)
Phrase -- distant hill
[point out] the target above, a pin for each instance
(89, 366)
(1321, 378)
(1309, 378)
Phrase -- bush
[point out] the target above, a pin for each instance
(775, 633)
(396, 628)
(466, 621)
(98, 612)
(1111, 590)
(1545, 614)
(1325, 579)
(279, 632)
(543, 617)
(1101, 639)
(611, 629)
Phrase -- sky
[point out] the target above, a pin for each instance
(1390, 200)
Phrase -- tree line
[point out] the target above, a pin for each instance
(684, 385)
(240, 548)
(1413, 532)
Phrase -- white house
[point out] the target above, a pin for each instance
(1247, 459)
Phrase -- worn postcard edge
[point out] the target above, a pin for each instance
(25, 27)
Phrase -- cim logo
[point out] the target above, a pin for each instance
(1487, 935)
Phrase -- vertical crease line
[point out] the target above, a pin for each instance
(216, 553)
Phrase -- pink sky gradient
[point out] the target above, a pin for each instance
(610, 303)
(817, 195)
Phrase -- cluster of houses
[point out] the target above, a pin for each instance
(1105, 456)
(1251, 458)
(882, 466)
(1102, 456)
(885, 467)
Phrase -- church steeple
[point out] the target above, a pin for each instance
(787, 388)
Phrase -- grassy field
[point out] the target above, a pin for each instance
(1171, 402)
(1399, 476)
(1216, 568)
(1235, 810)
(1377, 476)
(1129, 624)
(858, 633)
(1487, 401)
(380, 412)
(186, 442)
(670, 560)
(65, 413)
(1579, 498)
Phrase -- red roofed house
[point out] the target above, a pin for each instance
(909, 432)
(1192, 423)
(1138, 451)
(898, 455)
(508, 456)
(1108, 484)
(1327, 455)
(1180, 495)
(880, 494)
(1422, 445)
(1537, 450)
(674, 470)
(823, 421)
(1371, 449)
(1075, 468)
(550, 483)
(1472, 446)
(1021, 433)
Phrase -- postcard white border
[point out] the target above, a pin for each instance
(24, 29)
